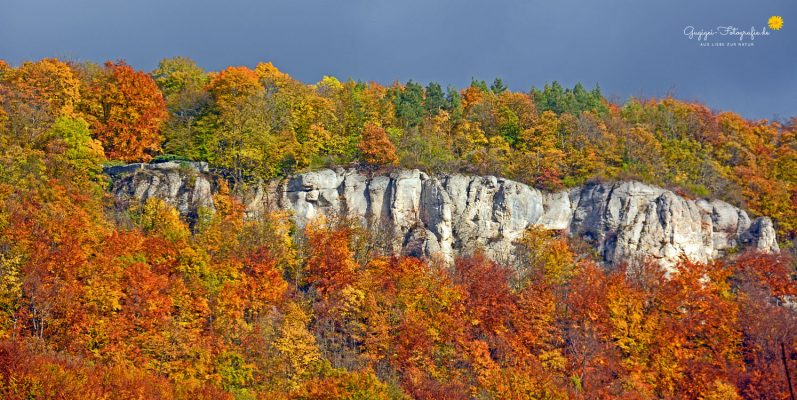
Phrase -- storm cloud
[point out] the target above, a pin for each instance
(631, 48)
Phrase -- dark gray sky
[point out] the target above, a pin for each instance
(629, 47)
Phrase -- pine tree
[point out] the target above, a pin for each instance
(498, 86)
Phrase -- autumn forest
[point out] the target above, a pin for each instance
(103, 302)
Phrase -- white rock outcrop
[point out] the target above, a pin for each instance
(446, 215)
(185, 186)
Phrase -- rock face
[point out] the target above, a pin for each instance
(186, 186)
(442, 216)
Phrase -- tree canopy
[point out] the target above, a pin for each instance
(98, 300)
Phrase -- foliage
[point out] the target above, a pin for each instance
(125, 110)
(376, 147)
(98, 302)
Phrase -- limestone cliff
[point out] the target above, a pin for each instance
(450, 214)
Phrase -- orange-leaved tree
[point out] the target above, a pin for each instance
(376, 147)
(125, 109)
(52, 80)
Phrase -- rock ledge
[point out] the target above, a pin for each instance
(446, 215)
